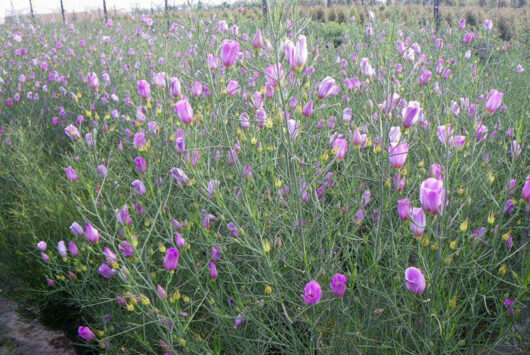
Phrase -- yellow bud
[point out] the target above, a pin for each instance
(452, 245)
(130, 307)
(162, 248)
(278, 183)
(186, 299)
(491, 218)
(84, 268)
(425, 241)
(506, 236)
(266, 246)
(182, 342)
(421, 164)
(452, 302)
(502, 269)
(460, 191)
(463, 225)
(145, 300)
(100, 333)
(268, 290)
(253, 140)
(434, 246)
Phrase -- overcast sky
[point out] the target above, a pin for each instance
(47, 6)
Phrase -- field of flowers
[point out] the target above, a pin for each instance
(221, 184)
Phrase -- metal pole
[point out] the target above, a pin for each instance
(31, 9)
(437, 14)
(62, 11)
(105, 9)
(167, 14)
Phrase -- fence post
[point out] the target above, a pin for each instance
(62, 11)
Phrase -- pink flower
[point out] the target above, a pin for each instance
(417, 223)
(184, 111)
(338, 284)
(229, 52)
(410, 113)
(404, 209)
(327, 87)
(257, 41)
(85, 333)
(340, 147)
(91, 233)
(432, 195)
(398, 154)
(494, 100)
(414, 280)
(313, 293)
(232, 88)
(171, 260)
(144, 90)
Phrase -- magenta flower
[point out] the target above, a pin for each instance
(174, 87)
(159, 80)
(398, 154)
(196, 89)
(414, 280)
(180, 176)
(424, 78)
(525, 192)
(445, 134)
(93, 80)
(300, 54)
(327, 87)
(404, 209)
(61, 248)
(171, 260)
(91, 233)
(73, 249)
(184, 111)
(107, 272)
(308, 109)
(71, 174)
(417, 221)
(410, 113)
(141, 166)
(229, 52)
(232, 88)
(76, 228)
(138, 187)
(488, 25)
(338, 284)
(257, 41)
(85, 333)
(493, 101)
(161, 292)
(216, 255)
(144, 90)
(179, 241)
(42, 245)
(432, 195)
(126, 248)
(213, 270)
(313, 293)
(340, 147)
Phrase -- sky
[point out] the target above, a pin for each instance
(47, 6)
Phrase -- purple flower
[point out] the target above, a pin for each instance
(61, 248)
(102, 171)
(126, 248)
(141, 166)
(71, 174)
(414, 280)
(85, 333)
(107, 272)
(398, 154)
(171, 260)
(313, 293)
(509, 207)
(233, 231)
(327, 87)
(73, 249)
(42, 245)
(432, 195)
(138, 187)
(493, 101)
(417, 223)
(184, 111)
(213, 270)
(239, 321)
(76, 228)
(404, 209)
(91, 233)
(229, 52)
(180, 140)
(338, 284)
(72, 132)
(144, 90)
(179, 241)
(180, 175)
(216, 255)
